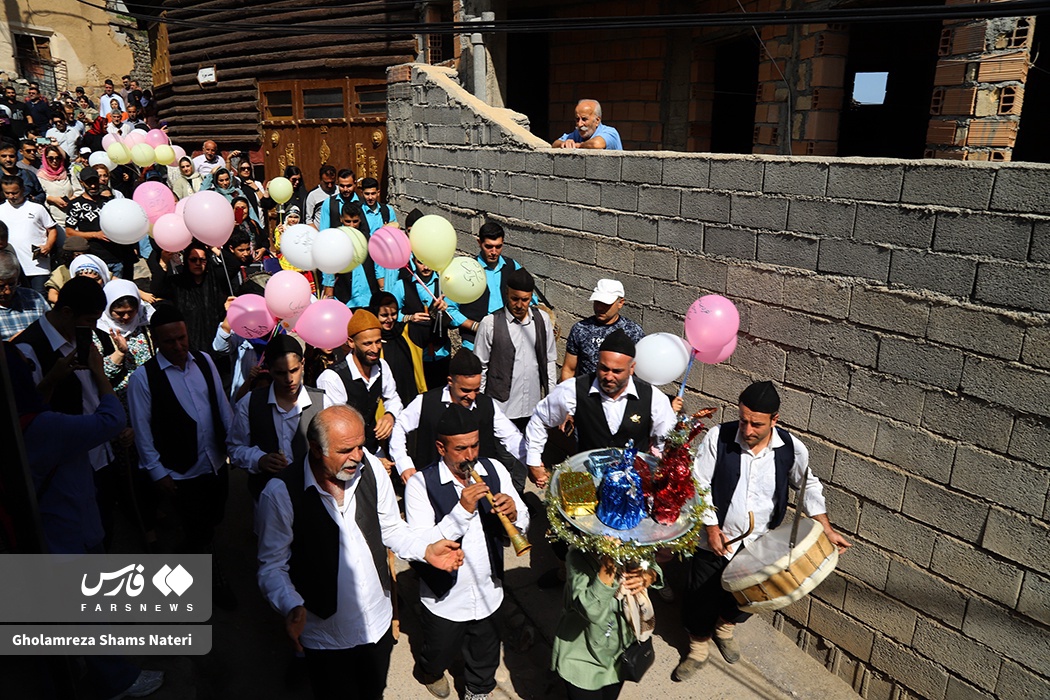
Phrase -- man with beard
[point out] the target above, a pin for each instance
(9, 166)
(84, 219)
(17, 129)
(362, 379)
(586, 336)
(404, 357)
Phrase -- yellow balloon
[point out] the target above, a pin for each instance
(463, 279)
(165, 154)
(433, 241)
(119, 153)
(360, 247)
(143, 155)
(280, 189)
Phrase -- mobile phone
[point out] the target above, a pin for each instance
(36, 251)
(84, 342)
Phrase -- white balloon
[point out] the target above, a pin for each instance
(333, 250)
(101, 158)
(124, 221)
(661, 358)
(297, 244)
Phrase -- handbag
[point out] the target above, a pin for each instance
(636, 659)
(639, 655)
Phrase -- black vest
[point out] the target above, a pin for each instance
(313, 565)
(362, 398)
(422, 334)
(501, 359)
(174, 431)
(429, 414)
(479, 308)
(443, 498)
(592, 430)
(727, 472)
(263, 434)
(68, 396)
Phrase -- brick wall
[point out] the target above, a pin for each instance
(903, 307)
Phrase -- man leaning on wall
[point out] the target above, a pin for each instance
(589, 131)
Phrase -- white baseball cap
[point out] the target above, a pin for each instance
(607, 291)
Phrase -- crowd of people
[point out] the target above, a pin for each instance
(418, 436)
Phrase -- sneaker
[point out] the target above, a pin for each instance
(666, 594)
(147, 683)
(729, 648)
(475, 696)
(686, 668)
(440, 688)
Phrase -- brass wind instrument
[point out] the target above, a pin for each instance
(517, 540)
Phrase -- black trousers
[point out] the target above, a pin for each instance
(357, 673)
(609, 692)
(705, 600)
(478, 640)
(201, 505)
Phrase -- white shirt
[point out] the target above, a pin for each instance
(363, 612)
(525, 375)
(66, 140)
(408, 421)
(754, 491)
(205, 168)
(27, 226)
(103, 454)
(334, 389)
(316, 197)
(103, 104)
(561, 403)
(123, 130)
(191, 390)
(477, 592)
(246, 455)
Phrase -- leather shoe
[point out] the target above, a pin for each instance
(686, 668)
(440, 688)
(729, 648)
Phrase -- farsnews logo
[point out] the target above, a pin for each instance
(130, 579)
(168, 580)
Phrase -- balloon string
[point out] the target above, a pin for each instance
(421, 282)
(222, 259)
(685, 377)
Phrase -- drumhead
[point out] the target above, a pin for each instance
(769, 554)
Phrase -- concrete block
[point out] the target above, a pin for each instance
(599, 221)
(881, 308)
(513, 161)
(1007, 384)
(921, 362)
(975, 569)
(1030, 440)
(467, 199)
(879, 611)
(570, 165)
(961, 690)
(785, 327)
(895, 225)
(915, 451)
(567, 216)
(1019, 539)
(1040, 248)
(977, 330)
(1014, 286)
(821, 453)
(705, 206)
(974, 662)
(763, 212)
(1022, 189)
(844, 512)
(686, 172)
(965, 419)
(664, 201)
(945, 510)
(539, 163)
(730, 242)
(797, 611)
(647, 170)
(580, 250)
(510, 207)
(755, 284)
(818, 295)
(896, 533)
(1019, 640)
(925, 678)
(487, 203)
(703, 272)
(584, 193)
(603, 166)
(737, 175)
(680, 235)
(552, 190)
(724, 383)
(846, 257)
(1006, 482)
(994, 235)
(659, 264)
(865, 181)
(538, 212)
(1017, 683)
(637, 228)
(853, 637)
(822, 216)
(869, 479)
(1036, 349)
(887, 396)
(619, 196)
(929, 594)
(760, 359)
(937, 272)
(1035, 597)
(844, 341)
(822, 375)
(795, 177)
(789, 251)
(949, 185)
(871, 565)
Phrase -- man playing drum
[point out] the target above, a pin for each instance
(748, 465)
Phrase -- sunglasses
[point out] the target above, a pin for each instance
(54, 157)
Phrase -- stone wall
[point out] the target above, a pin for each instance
(903, 306)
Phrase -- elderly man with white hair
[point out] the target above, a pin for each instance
(590, 132)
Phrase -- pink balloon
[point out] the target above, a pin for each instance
(287, 294)
(711, 322)
(249, 318)
(156, 199)
(109, 139)
(180, 152)
(209, 217)
(156, 137)
(134, 138)
(323, 324)
(389, 247)
(180, 206)
(723, 353)
(170, 233)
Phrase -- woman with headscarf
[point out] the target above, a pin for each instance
(197, 290)
(222, 182)
(244, 221)
(251, 189)
(56, 183)
(91, 266)
(185, 180)
(299, 191)
(126, 321)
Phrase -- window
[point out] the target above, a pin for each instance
(323, 103)
(278, 104)
(371, 99)
(869, 88)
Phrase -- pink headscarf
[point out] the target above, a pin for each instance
(52, 172)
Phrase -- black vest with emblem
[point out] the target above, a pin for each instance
(592, 430)
(68, 396)
(263, 433)
(429, 415)
(443, 498)
(501, 359)
(479, 308)
(174, 431)
(727, 472)
(361, 397)
(313, 564)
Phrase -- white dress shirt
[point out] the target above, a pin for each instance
(754, 491)
(202, 166)
(363, 611)
(477, 592)
(408, 421)
(191, 390)
(98, 456)
(104, 106)
(246, 455)
(561, 403)
(334, 389)
(525, 376)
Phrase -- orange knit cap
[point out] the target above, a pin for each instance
(362, 320)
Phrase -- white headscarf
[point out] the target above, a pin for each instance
(118, 289)
(86, 261)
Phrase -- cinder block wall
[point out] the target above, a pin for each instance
(902, 305)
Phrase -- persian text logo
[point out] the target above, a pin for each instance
(128, 578)
(168, 580)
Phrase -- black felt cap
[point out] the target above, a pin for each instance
(164, 314)
(761, 397)
(456, 420)
(281, 345)
(618, 342)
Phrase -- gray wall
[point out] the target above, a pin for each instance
(902, 306)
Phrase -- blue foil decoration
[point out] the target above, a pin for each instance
(599, 462)
(621, 504)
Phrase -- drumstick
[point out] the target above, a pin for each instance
(750, 528)
(518, 540)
